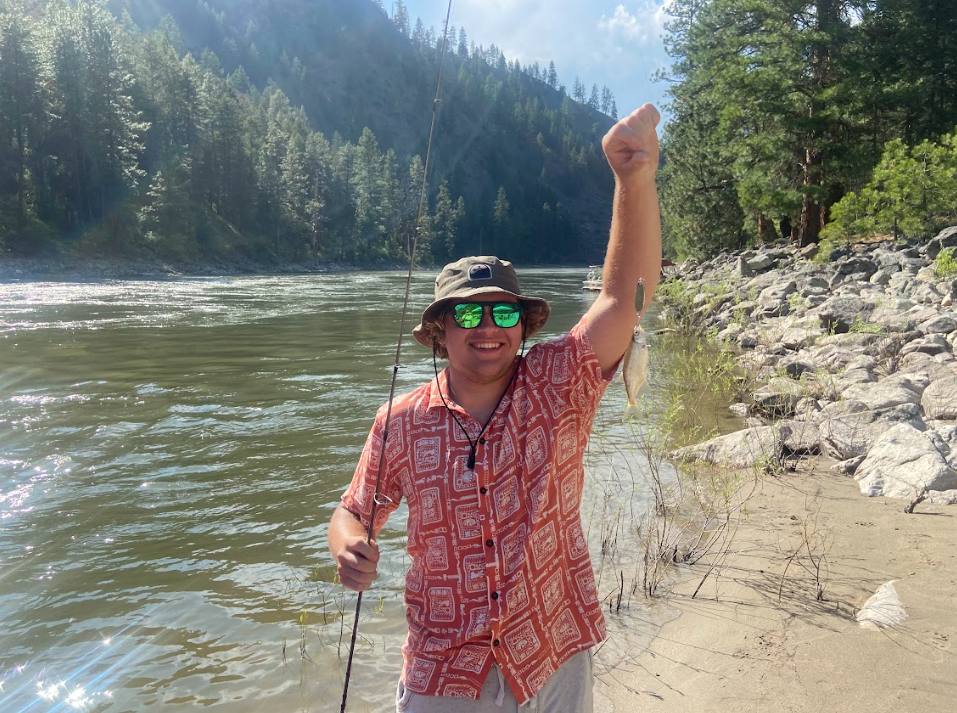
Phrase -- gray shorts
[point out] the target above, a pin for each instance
(568, 690)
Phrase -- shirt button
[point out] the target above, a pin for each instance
(489, 543)
(484, 491)
(494, 595)
(482, 441)
(496, 642)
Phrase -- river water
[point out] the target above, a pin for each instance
(170, 454)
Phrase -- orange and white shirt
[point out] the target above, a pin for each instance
(500, 566)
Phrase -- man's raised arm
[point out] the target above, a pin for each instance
(634, 246)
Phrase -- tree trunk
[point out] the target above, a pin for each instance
(766, 230)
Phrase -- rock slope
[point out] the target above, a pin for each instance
(854, 356)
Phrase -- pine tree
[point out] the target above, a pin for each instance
(593, 100)
(606, 100)
(552, 77)
(502, 222)
(578, 91)
(22, 112)
(446, 229)
(400, 16)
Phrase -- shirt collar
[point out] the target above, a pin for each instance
(440, 386)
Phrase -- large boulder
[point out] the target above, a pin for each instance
(902, 463)
(852, 433)
(750, 448)
(881, 395)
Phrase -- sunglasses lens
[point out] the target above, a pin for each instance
(467, 316)
(506, 315)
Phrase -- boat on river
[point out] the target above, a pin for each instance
(592, 281)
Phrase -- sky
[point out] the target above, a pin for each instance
(605, 42)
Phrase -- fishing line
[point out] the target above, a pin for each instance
(423, 198)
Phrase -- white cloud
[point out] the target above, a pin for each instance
(644, 26)
(613, 42)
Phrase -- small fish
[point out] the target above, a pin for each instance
(634, 370)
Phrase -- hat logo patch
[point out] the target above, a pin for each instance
(480, 272)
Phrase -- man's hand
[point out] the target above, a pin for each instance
(631, 146)
(356, 563)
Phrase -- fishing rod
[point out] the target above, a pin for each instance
(377, 498)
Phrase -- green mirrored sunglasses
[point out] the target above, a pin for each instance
(468, 315)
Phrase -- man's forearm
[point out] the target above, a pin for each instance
(634, 244)
(343, 525)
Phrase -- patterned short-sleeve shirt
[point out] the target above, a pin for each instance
(500, 566)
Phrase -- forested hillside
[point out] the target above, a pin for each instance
(786, 115)
(285, 131)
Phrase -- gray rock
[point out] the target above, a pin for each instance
(946, 238)
(839, 409)
(927, 294)
(946, 497)
(839, 313)
(809, 252)
(947, 430)
(902, 463)
(794, 367)
(864, 361)
(894, 320)
(743, 269)
(750, 448)
(739, 410)
(857, 266)
(777, 293)
(731, 332)
(851, 435)
(924, 364)
(915, 382)
(883, 276)
(849, 466)
(806, 409)
(799, 437)
(941, 324)
(761, 263)
(903, 413)
(931, 344)
(881, 396)
(779, 397)
(939, 400)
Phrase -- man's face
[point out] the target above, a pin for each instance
(483, 355)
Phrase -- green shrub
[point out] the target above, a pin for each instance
(911, 190)
(946, 263)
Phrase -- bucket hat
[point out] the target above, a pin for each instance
(473, 276)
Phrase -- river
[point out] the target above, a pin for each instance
(170, 454)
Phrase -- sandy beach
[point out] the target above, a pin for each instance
(757, 638)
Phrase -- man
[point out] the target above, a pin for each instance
(501, 600)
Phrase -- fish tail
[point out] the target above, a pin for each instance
(632, 411)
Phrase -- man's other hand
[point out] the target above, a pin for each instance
(356, 563)
(631, 146)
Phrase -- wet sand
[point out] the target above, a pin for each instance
(757, 638)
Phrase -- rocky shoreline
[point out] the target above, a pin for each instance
(852, 357)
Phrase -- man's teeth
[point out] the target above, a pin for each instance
(486, 345)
